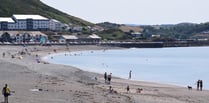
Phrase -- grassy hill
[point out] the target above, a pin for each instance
(178, 31)
(9, 7)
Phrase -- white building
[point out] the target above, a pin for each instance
(29, 22)
(55, 25)
(156, 36)
(77, 29)
(136, 34)
(7, 23)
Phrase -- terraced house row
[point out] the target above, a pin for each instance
(29, 22)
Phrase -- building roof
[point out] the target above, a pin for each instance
(31, 33)
(136, 33)
(34, 33)
(6, 19)
(69, 37)
(36, 17)
(94, 36)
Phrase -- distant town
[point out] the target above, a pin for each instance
(31, 29)
(36, 29)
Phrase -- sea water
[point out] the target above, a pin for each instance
(180, 66)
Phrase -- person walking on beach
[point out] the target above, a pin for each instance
(128, 89)
(109, 77)
(201, 85)
(105, 76)
(129, 75)
(6, 93)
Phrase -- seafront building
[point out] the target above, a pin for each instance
(55, 25)
(29, 23)
(6, 23)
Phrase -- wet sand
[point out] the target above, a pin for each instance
(33, 82)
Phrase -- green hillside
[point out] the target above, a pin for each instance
(178, 31)
(9, 7)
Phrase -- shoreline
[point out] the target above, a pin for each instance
(47, 58)
(60, 83)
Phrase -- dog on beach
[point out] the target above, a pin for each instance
(189, 87)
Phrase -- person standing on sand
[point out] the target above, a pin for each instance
(3, 54)
(110, 89)
(6, 93)
(109, 77)
(198, 84)
(201, 85)
(105, 76)
(129, 75)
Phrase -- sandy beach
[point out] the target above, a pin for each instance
(41, 82)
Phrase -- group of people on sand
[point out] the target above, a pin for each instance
(18, 55)
(138, 90)
(107, 77)
(199, 85)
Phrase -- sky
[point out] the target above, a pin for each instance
(143, 12)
